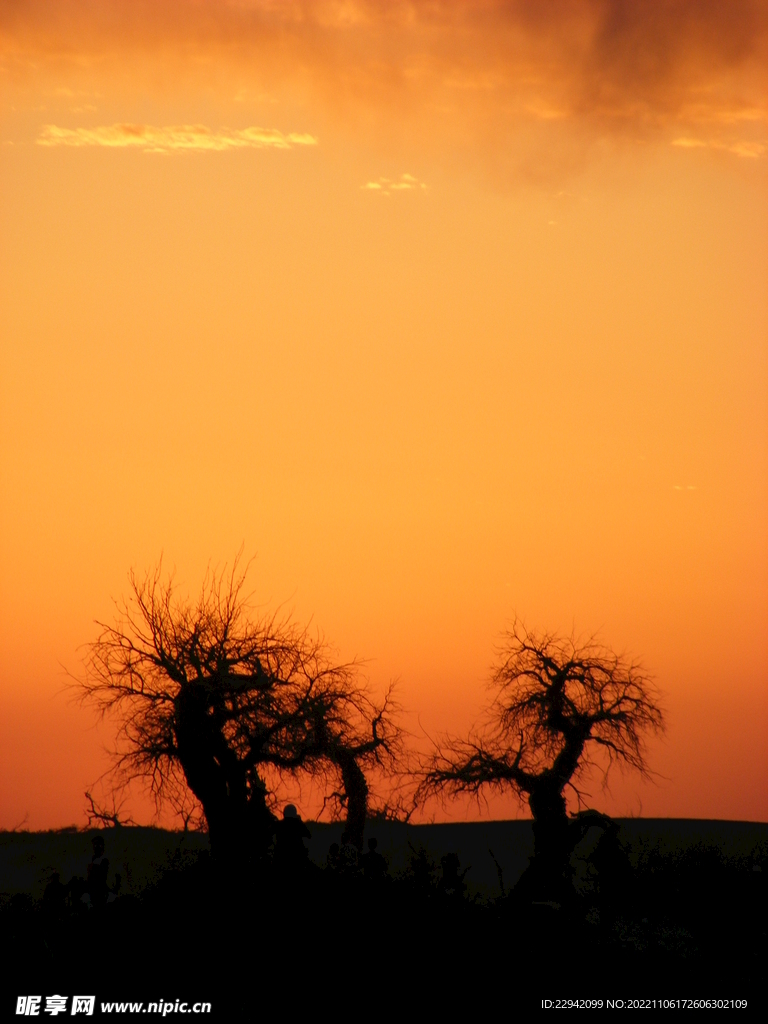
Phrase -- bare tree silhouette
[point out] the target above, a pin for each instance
(558, 704)
(212, 700)
(106, 816)
(354, 749)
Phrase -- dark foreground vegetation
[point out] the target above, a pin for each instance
(217, 711)
(639, 918)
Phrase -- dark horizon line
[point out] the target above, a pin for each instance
(372, 821)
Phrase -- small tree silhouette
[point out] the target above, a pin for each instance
(557, 704)
(351, 754)
(211, 700)
(103, 816)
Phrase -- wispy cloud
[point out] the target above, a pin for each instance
(163, 139)
(386, 186)
(742, 147)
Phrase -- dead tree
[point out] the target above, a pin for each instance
(210, 700)
(560, 708)
(368, 741)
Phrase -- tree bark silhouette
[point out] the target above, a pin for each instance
(235, 806)
(356, 796)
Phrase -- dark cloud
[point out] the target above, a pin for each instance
(473, 73)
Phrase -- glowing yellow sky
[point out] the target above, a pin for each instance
(445, 310)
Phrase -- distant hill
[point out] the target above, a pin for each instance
(485, 848)
(139, 854)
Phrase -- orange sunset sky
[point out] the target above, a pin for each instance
(444, 310)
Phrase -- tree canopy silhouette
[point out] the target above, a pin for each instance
(558, 704)
(214, 701)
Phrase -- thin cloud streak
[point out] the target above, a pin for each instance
(744, 148)
(186, 137)
(386, 186)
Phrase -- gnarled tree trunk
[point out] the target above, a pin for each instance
(551, 853)
(356, 792)
(239, 821)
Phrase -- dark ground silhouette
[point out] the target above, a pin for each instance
(641, 919)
